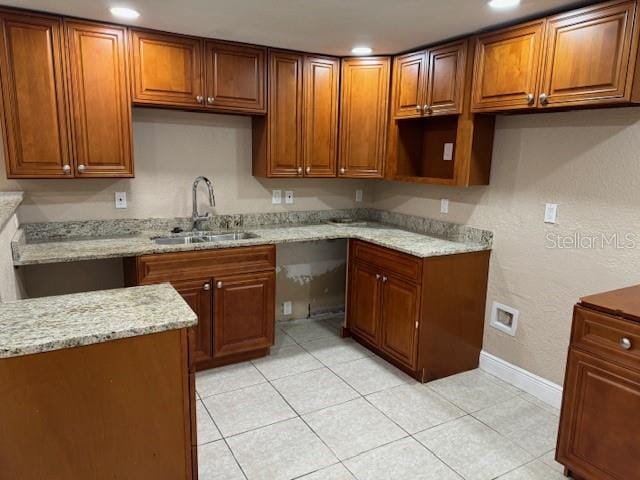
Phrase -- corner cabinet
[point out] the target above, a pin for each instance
(425, 315)
(364, 101)
(298, 136)
(231, 290)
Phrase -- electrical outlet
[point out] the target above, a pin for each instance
(551, 213)
(121, 199)
(276, 197)
(288, 197)
(444, 205)
(358, 195)
(286, 308)
(448, 152)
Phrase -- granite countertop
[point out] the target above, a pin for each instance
(9, 202)
(418, 244)
(53, 323)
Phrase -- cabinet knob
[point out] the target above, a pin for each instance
(210, 100)
(219, 284)
(384, 279)
(81, 168)
(530, 98)
(299, 170)
(199, 99)
(544, 99)
(377, 276)
(308, 169)
(206, 286)
(419, 108)
(427, 109)
(66, 169)
(342, 170)
(625, 343)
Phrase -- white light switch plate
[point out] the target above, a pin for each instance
(551, 213)
(121, 199)
(288, 197)
(276, 197)
(358, 195)
(448, 151)
(444, 205)
(286, 308)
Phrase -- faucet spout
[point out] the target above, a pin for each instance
(196, 216)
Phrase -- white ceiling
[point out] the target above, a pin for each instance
(321, 26)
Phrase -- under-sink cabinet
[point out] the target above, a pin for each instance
(426, 316)
(231, 290)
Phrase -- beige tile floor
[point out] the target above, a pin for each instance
(324, 408)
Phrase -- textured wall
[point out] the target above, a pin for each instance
(589, 163)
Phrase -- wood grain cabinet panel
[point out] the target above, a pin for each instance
(235, 77)
(409, 83)
(364, 301)
(245, 313)
(166, 69)
(506, 69)
(100, 100)
(364, 100)
(399, 320)
(199, 295)
(35, 115)
(588, 56)
(444, 92)
(320, 126)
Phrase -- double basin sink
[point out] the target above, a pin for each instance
(203, 238)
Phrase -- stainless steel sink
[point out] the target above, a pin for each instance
(203, 238)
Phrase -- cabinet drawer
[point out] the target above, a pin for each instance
(388, 260)
(603, 334)
(164, 267)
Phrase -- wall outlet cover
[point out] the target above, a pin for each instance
(286, 308)
(358, 195)
(448, 152)
(551, 213)
(276, 197)
(504, 318)
(288, 197)
(444, 205)
(121, 199)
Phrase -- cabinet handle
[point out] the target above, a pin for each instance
(299, 170)
(377, 276)
(81, 168)
(206, 286)
(308, 169)
(530, 98)
(199, 99)
(66, 169)
(210, 100)
(427, 109)
(219, 284)
(384, 279)
(342, 170)
(625, 343)
(419, 108)
(544, 99)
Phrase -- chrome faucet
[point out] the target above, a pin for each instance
(196, 217)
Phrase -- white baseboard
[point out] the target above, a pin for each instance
(531, 383)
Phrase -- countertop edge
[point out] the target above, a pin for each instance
(9, 203)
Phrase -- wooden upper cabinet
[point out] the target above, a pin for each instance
(445, 79)
(588, 55)
(364, 100)
(409, 83)
(321, 90)
(100, 101)
(166, 69)
(35, 115)
(506, 69)
(235, 77)
(285, 114)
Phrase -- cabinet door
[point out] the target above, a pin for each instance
(101, 105)
(167, 69)
(245, 313)
(285, 114)
(34, 109)
(364, 301)
(445, 81)
(399, 320)
(363, 116)
(235, 77)
(321, 84)
(600, 423)
(588, 54)
(199, 295)
(409, 83)
(506, 68)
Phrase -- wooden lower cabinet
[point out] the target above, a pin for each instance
(598, 436)
(232, 291)
(425, 315)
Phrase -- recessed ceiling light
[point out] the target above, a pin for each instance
(361, 50)
(504, 3)
(124, 12)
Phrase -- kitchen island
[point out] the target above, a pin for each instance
(97, 386)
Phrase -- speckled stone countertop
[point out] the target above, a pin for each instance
(52, 323)
(9, 202)
(436, 238)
